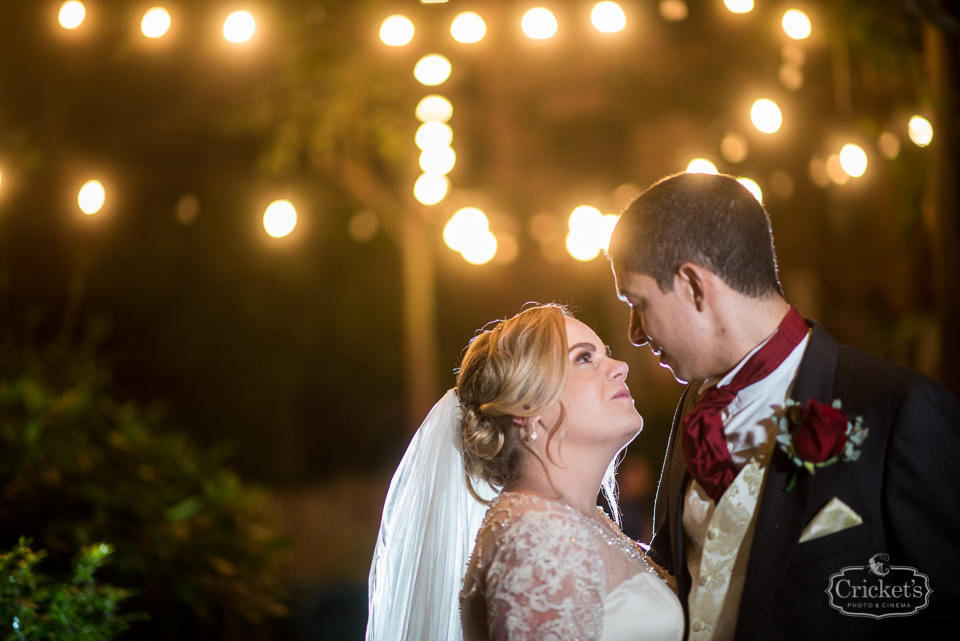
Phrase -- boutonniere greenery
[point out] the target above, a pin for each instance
(815, 434)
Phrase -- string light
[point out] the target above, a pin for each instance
(434, 108)
(396, 31)
(739, 6)
(71, 14)
(766, 116)
(280, 218)
(155, 23)
(796, 24)
(432, 70)
(539, 24)
(468, 232)
(853, 159)
(433, 134)
(701, 166)
(468, 28)
(239, 27)
(835, 170)
(91, 197)
(608, 17)
(920, 131)
(585, 237)
(438, 160)
(431, 189)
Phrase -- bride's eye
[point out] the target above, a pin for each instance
(583, 357)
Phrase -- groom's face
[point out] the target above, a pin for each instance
(665, 321)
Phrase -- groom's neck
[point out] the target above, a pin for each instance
(743, 323)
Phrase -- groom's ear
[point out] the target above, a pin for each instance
(693, 282)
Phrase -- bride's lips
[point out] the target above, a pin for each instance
(624, 393)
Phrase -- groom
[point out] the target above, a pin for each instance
(764, 542)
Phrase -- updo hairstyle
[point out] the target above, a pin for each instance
(517, 368)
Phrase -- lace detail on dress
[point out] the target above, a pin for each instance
(541, 570)
(546, 580)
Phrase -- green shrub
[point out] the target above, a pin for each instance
(77, 466)
(36, 608)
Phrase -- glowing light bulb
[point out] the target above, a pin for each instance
(430, 189)
(155, 23)
(752, 187)
(396, 31)
(835, 170)
(608, 17)
(280, 218)
(586, 230)
(606, 229)
(91, 197)
(71, 14)
(468, 27)
(766, 116)
(539, 24)
(480, 249)
(432, 70)
(438, 160)
(239, 27)
(463, 225)
(434, 108)
(585, 219)
(853, 159)
(796, 24)
(701, 166)
(920, 131)
(433, 134)
(739, 6)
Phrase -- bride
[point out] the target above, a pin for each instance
(539, 413)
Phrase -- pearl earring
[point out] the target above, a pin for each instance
(533, 433)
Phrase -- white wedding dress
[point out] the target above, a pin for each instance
(542, 570)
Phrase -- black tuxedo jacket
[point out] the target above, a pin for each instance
(905, 486)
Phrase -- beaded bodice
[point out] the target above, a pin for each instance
(542, 569)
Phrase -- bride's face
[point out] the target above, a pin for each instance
(598, 407)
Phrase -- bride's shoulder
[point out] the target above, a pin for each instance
(532, 519)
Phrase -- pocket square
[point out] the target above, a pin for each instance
(833, 517)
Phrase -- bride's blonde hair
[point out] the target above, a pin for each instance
(517, 368)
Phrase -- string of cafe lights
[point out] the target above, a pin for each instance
(588, 230)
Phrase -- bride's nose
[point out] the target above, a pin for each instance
(618, 370)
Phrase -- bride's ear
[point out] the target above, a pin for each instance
(524, 421)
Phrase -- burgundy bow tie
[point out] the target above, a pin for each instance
(703, 439)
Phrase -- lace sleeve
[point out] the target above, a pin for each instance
(546, 581)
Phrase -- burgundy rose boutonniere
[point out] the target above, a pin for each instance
(815, 434)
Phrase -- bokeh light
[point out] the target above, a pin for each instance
(431, 189)
(71, 14)
(889, 144)
(853, 159)
(364, 226)
(608, 17)
(91, 197)
(434, 108)
(606, 229)
(585, 237)
(507, 248)
(752, 187)
(539, 23)
(280, 218)
(766, 116)
(438, 160)
(468, 27)
(433, 134)
(920, 131)
(739, 6)
(673, 10)
(467, 223)
(791, 77)
(701, 166)
(396, 31)
(239, 27)
(432, 70)
(835, 170)
(796, 24)
(155, 23)
(480, 249)
(734, 147)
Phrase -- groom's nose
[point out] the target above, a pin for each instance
(636, 332)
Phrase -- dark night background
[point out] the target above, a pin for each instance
(298, 354)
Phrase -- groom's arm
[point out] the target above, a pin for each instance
(922, 492)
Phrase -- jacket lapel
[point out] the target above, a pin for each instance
(780, 519)
(678, 483)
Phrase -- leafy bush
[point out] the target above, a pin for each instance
(36, 608)
(77, 466)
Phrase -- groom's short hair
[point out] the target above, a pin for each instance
(710, 220)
